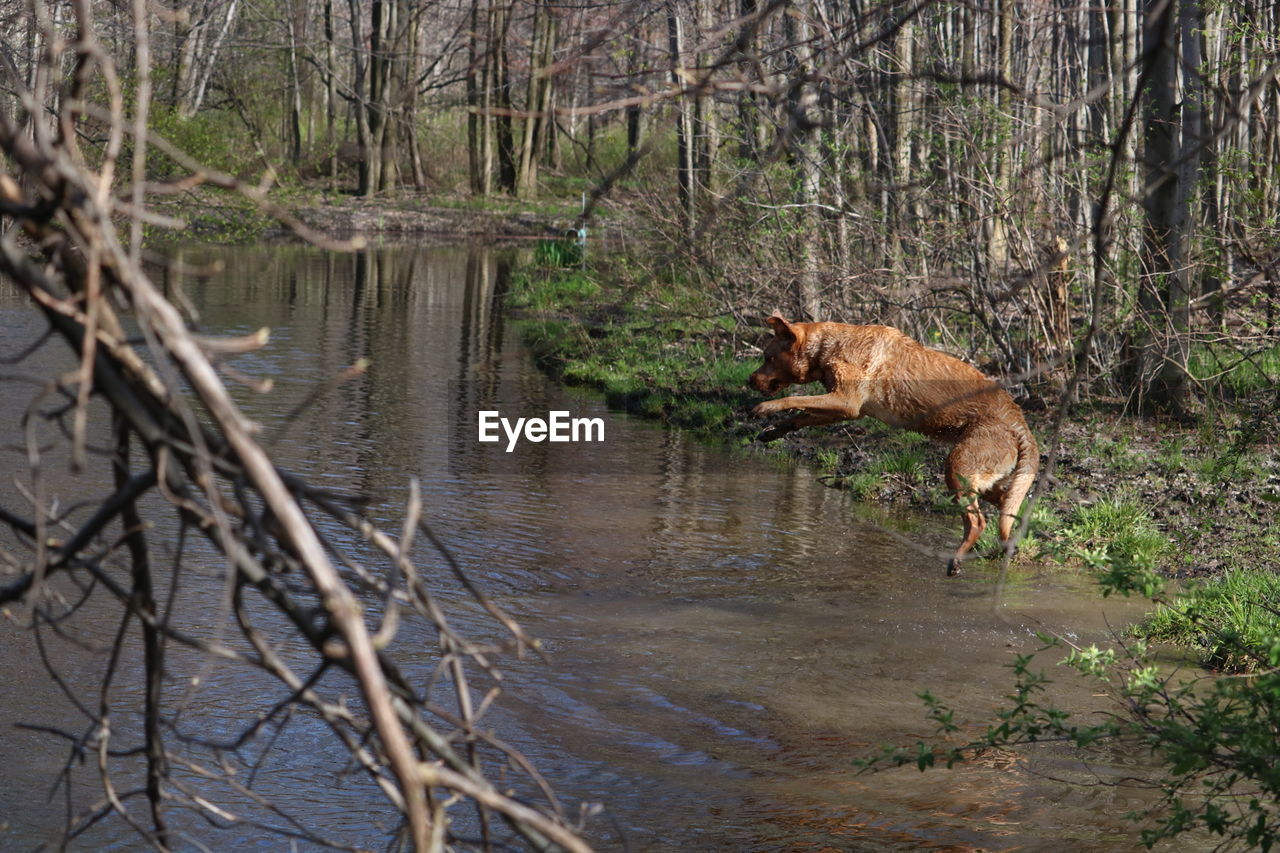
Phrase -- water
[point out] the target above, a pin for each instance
(725, 635)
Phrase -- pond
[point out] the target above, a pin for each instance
(724, 634)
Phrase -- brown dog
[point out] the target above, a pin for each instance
(878, 371)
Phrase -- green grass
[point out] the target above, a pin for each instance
(1120, 455)
(1239, 374)
(1171, 456)
(557, 253)
(863, 485)
(1233, 621)
(552, 293)
(1119, 528)
(905, 460)
(678, 366)
(1044, 519)
(907, 463)
(1231, 464)
(828, 459)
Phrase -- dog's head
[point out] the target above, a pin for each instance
(785, 360)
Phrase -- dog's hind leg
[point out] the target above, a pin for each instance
(1012, 496)
(976, 465)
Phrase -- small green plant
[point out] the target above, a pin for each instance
(828, 459)
(1232, 463)
(1043, 519)
(1119, 454)
(863, 485)
(1171, 456)
(907, 463)
(1237, 374)
(565, 252)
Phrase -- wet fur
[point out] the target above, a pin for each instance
(877, 371)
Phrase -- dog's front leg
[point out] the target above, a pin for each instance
(831, 407)
(778, 430)
(815, 411)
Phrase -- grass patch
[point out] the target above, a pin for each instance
(903, 461)
(1120, 454)
(1233, 621)
(558, 253)
(1044, 518)
(1236, 373)
(679, 366)
(1116, 529)
(553, 293)
(907, 463)
(863, 485)
(829, 460)
(1171, 456)
(1231, 464)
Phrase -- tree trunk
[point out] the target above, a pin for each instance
(476, 65)
(1162, 294)
(804, 148)
(413, 70)
(202, 66)
(331, 95)
(360, 71)
(704, 117)
(294, 20)
(749, 143)
(536, 99)
(684, 121)
(997, 228)
(501, 84)
(376, 105)
(903, 93)
(392, 97)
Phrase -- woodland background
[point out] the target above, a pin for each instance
(1045, 183)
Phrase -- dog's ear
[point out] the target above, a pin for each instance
(780, 326)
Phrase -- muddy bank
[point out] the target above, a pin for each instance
(217, 216)
(347, 215)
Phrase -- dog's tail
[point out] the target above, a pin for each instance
(1024, 474)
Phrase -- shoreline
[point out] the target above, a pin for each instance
(219, 216)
